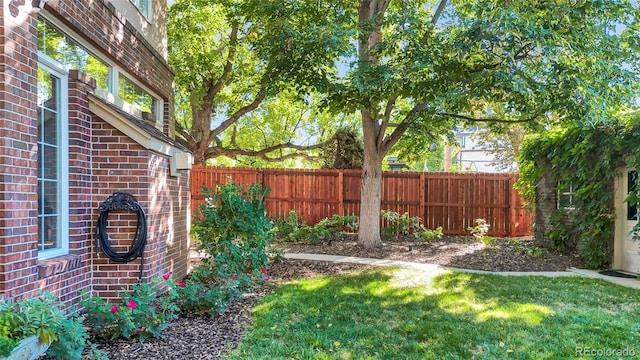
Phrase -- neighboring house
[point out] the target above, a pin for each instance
(471, 156)
(86, 110)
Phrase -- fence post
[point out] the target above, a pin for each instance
(512, 206)
(341, 193)
(422, 195)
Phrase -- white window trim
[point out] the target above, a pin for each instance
(149, 12)
(571, 193)
(62, 226)
(114, 73)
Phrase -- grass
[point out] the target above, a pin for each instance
(392, 313)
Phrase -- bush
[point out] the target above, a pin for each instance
(234, 232)
(400, 224)
(427, 235)
(407, 225)
(325, 228)
(40, 315)
(140, 312)
(479, 231)
(286, 226)
(72, 340)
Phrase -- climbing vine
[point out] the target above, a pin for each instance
(585, 159)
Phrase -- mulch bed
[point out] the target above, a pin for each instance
(205, 337)
(517, 254)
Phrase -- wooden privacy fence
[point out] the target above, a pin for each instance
(450, 200)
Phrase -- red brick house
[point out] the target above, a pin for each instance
(86, 110)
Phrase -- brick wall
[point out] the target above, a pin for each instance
(546, 205)
(102, 160)
(107, 29)
(18, 132)
(118, 165)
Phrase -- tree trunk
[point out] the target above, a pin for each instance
(201, 128)
(369, 227)
(371, 185)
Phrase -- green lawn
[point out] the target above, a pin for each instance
(404, 314)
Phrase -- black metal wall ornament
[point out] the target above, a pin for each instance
(122, 201)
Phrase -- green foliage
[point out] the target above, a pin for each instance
(344, 151)
(324, 229)
(40, 315)
(222, 75)
(400, 224)
(586, 158)
(428, 235)
(407, 225)
(234, 231)
(526, 247)
(7, 342)
(72, 340)
(140, 312)
(287, 225)
(480, 230)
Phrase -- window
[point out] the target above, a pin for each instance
(144, 6)
(52, 162)
(632, 207)
(566, 198)
(65, 51)
(134, 95)
(71, 55)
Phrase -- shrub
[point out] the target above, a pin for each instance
(287, 225)
(140, 312)
(400, 224)
(407, 225)
(72, 340)
(479, 231)
(40, 315)
(325, 228)
(427, 235)
(234, 232)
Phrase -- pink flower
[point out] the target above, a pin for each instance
(263, 270)
(132, 304)
(181, 284)
(167, 275)
(266, 278)
(114, 309)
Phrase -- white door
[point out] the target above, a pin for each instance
(627, 251)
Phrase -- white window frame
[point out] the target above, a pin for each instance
(569, 192)
(111, 94)
(148, 12)
(62, 225)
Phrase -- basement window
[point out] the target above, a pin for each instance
(566, 198)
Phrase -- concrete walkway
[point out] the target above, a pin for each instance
(632, 283)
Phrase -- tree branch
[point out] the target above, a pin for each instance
(434, 20)
(238, 114)
(228, 66)
(186, 135)
(264, 153)
(494, 120)
(402, 127)
(386, 118)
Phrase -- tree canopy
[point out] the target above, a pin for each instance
(413, 68)
(230, 100)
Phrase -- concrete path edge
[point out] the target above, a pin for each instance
(632, 283)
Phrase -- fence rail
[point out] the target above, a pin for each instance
(450, 200)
